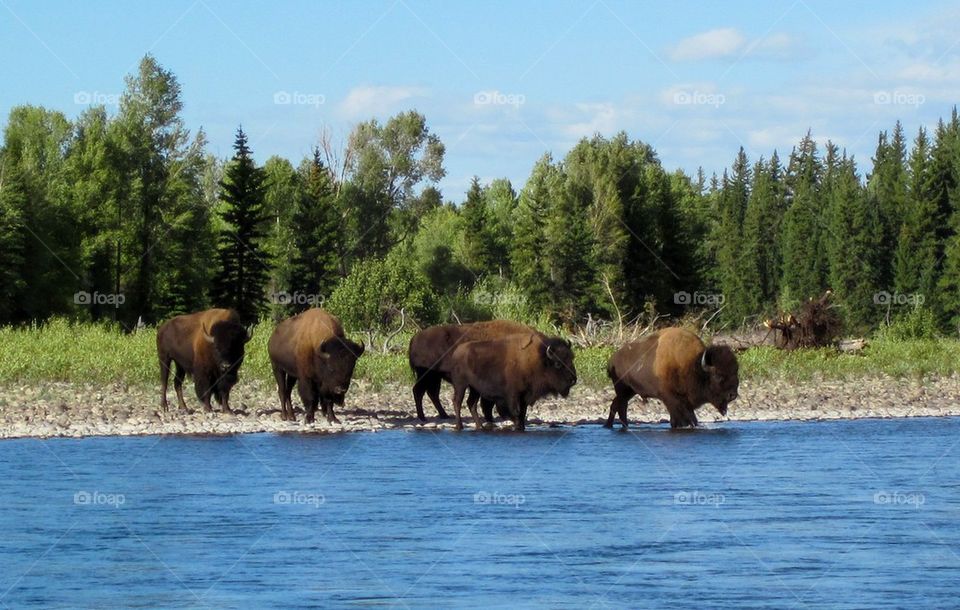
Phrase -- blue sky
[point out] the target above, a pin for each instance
(503, 82)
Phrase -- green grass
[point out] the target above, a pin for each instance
(88, 353)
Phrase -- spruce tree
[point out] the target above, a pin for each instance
(803, 260)
(915, 258)
(13, 274)
(315, 225)
(478, 241)
(738, 280)
(855, 232)
(567, 250)
(242, 277)
(526, 253)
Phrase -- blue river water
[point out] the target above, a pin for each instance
(847, 514)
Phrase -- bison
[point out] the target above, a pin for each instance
(674, 366)
(513, 372)
(312, 349)
(209, 346)
(430, 351)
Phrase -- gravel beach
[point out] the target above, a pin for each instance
(72, 410)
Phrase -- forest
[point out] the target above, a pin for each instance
(125, 218)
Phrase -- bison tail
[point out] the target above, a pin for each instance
(611, 372)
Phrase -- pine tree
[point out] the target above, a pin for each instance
(478, 242)
(567, 251)
(13, 274)
(738, 280)
(762, 227)
(315, 267)
(803, 258)
(887, 187)
(242, 277)
(915, 259)
(526, 253)
(855, 231)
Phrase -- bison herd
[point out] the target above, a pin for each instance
(498, 364)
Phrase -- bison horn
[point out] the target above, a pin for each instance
(703, 362)
(249, 333)
(550, 352)
(206, 335)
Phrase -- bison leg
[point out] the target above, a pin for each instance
(287, 400)
(328, 411)
(282, 390)
(458, 392)
(472, 398)
(680, 412)
(309, 398)
(178, 376)
(164, 378)
(433, 391)
(619, 404)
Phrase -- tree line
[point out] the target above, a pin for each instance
(127, 217)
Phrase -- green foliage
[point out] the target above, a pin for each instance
(919, 323)
(242, 276)
(377, 289)
(315, 269)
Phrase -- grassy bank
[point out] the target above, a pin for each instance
(86, 353)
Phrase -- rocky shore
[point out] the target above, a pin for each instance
(70, 410)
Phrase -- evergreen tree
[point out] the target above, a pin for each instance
(13, 202)
(915, 259)
(855, 230)
(762, 227)
(316, 232)
(478, 240)
(803, 259)
(739, 281)
(526, 254)
(241, 279)
(887, 187)
(567, 250)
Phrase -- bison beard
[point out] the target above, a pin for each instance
(513, 372)
(674, 366)
(209, 345)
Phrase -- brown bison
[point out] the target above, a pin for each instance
(430, 352)
(513, 372)
(674, 366)
(207, 345)
(312, 349)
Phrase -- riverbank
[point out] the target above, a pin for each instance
(76, 410)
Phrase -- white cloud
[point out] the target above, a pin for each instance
(730, 43)
(713, 44)
(596, 118)
(368, 101)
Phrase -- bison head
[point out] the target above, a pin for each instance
(335, 360)
(228, 339)
(720, 364)
(558, 364)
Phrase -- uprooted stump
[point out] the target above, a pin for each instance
(816, 324)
